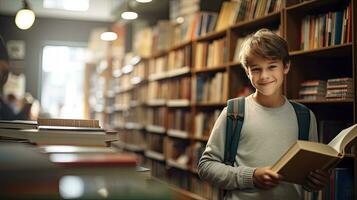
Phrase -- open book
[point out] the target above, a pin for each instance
(304, 156)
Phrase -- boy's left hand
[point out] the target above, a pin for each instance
(316, 180)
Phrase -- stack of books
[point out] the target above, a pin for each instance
(340, 89)
(313, 90)
(58, 132)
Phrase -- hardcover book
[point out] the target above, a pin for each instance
(304, 156)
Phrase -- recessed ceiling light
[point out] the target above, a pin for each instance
(108, 36)
(144, 1)
(129, 15)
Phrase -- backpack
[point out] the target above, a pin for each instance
(235, 118)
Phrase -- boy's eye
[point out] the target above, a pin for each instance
(272, 66)
(254, 70)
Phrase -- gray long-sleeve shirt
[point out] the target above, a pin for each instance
(266, 134)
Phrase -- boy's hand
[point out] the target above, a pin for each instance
(316, 180)
(265, 178)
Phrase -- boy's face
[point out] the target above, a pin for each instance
(266, 76)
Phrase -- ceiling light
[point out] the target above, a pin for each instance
(25, 17)
(144, 1)
(129, 15)
(108, 36)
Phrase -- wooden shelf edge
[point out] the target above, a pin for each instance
(318, 50)
(211, 69)
(254, 21)
(322, 101)
(154, 155)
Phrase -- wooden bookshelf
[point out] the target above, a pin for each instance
(323, 63)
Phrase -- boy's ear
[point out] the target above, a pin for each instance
(287, 68)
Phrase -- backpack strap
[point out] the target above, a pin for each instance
(235, 117)
(303, 118)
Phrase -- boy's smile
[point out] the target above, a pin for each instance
(266, 76)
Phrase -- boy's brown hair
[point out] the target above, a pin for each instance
(266, 44)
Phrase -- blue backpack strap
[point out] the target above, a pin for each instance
(235, 117)
(303, 118)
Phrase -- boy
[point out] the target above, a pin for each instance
(269, 129)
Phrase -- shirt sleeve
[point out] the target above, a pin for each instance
(211, 167)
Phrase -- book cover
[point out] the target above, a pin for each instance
(68, 122)
(94, 159)
(292, 165)
(18, 124)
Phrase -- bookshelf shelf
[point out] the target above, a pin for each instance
(122, 90)
(271, 18)
(173, 163)
(303, 101)
(234, 64)
(159, 54)
(134, 126)
(158, 76)
(177, 133)
(212, 36)
(155, 129)
(333, 51)
(155, 155)
(214, 69)
(156, 102)
(134, 148)
(200, 139)
(174, 103)
(307, 6)
(179, 46)
(179, 72)
(220, 104)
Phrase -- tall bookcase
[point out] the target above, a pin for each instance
(172, 122)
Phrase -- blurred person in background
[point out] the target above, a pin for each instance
(7, 112)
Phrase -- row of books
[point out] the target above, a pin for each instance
(166, 34)
(179, 119)
(203, 188)
(204, 122)
(71, 132)
(178, 153)
(340, 186)
(157, 116)
(179, 58)
(242, 10)
(179, 88)
(207, 87)
(332, 89)
(332, 28)
(155, 143)
(210, 54)
(194, 26)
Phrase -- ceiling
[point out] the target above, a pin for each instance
(99, 10)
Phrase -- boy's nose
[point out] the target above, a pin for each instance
(264, 74)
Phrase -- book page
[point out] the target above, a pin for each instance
(343, 138)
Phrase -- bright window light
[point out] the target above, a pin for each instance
(108, 36)
(144, 1)
(128, 15)
(77, 5)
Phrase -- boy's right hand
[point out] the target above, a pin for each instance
(265, 178)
